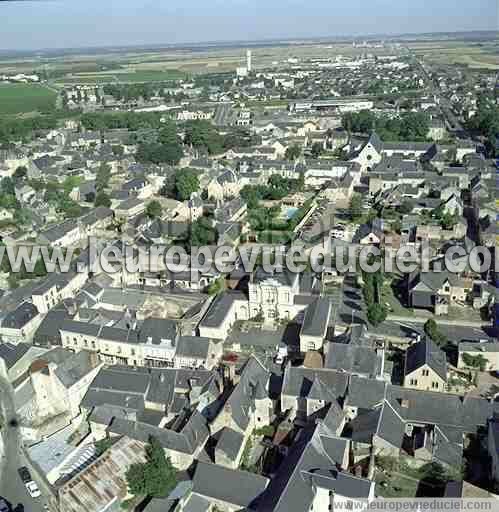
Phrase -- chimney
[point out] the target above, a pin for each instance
(404, 403)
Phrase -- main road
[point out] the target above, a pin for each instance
(12, 488)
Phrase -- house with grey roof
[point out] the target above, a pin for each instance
(306, 391)
(248, 406)
(435, 290)
(382, 428)
(20, 323)
(425, 367)
(315, 324)
(311, 478)
(354, 352)
(182, 443)
(198, 352)
(229, 448)
(16, 358)
(226, 489)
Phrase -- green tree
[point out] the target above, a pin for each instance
(475, 361)
(186, 182)
(154, 209)
(448, 221)
(355, 207)
(155, 478)
(433, 332)
(102, 199)
(102, 445)
(216, 287)
(293, 152)
(203, 135)
(317, 149)
(102, 177)
(7, 186)
(118, 150)
(406, 207)
(158, 153)
(376, 314)
(20, 172)
(202, 233)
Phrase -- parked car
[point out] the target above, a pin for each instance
(33, 489)
(30, 484)
(25, 474)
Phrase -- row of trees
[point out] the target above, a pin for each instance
(15, 129)
(410, 126)
(373, 283)
(127, 92)
(132, 121)
(486, 120)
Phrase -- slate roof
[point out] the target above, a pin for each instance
(308, 465)
(239, 488)
(375, 142)
(218, 309)
(157, 329)
(426, 353)
(432, 280)
(187, 441)
(298, 381)
(18, 318)
(356, 359)
(55, 233)
(426, 407)
(230, 443)
(252, 385)
(193, 347)
(316, 319)
(73, 369)
(11, 354)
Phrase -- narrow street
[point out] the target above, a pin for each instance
(12, 488)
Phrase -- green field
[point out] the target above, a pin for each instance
(120, 77)
(25, 98)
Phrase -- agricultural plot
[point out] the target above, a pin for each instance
(474, 57)
(26, 98)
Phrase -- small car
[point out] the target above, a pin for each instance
(33, 489)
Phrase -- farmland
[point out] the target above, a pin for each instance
(26, 98)
(476, 56)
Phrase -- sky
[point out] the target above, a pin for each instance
(40, 24)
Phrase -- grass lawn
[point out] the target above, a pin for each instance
(388, 297)
(395, 486)
(24, 98)
(130, 77)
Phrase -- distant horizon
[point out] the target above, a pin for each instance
(70, 24)
(371, 37)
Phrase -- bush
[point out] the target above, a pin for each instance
(156, 477)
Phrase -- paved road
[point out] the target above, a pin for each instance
(352, 310)
(11, 486)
